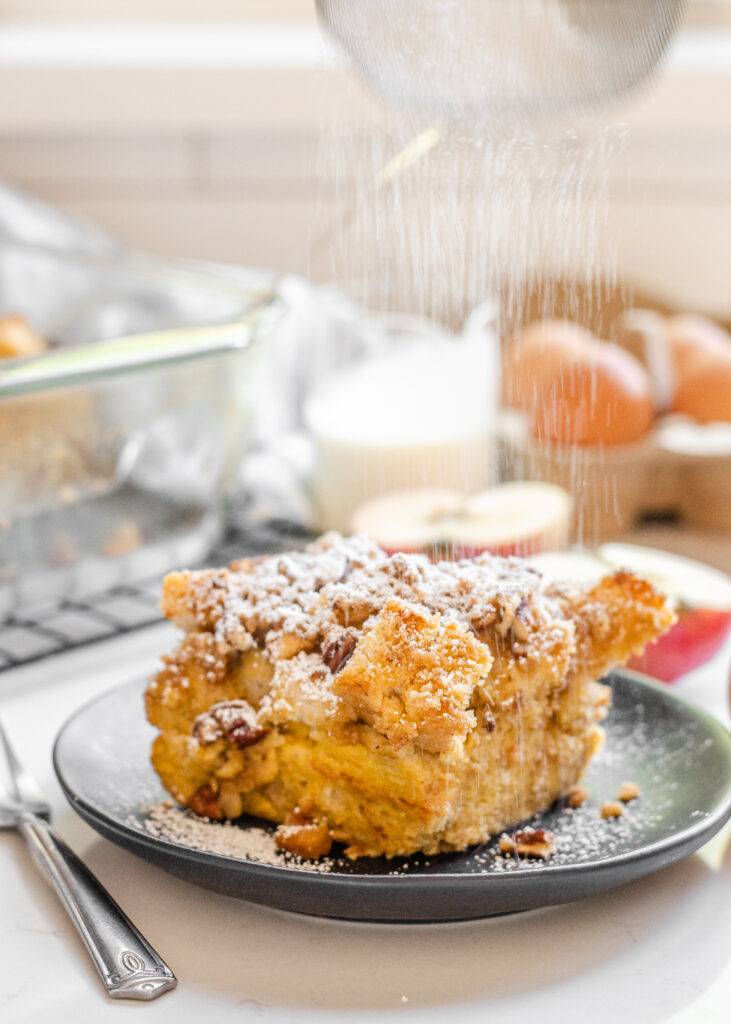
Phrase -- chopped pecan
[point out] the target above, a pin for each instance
(611, 809)
(337, 653)
(303, 836)
(205, 801)
(628, 791)
(243, 735)
(577, 796)
(234, 720)
(538, 842)
(486, 718)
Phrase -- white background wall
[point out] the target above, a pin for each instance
(186, 145)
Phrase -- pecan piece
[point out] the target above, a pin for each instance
(242, 734)
(537, 842)
(303, 836)
(628, 791)
(205, 802)
(577, 796)
(611, 809)
(337, 653)
(486, 718)
(234, 720)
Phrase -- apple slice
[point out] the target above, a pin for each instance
(408, 521)
(702, 599)
(511, 519)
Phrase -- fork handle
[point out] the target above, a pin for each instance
(127, 964)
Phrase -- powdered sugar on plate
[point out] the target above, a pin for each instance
(182, 827)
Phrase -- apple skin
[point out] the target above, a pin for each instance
(698, 634)
(514, 518)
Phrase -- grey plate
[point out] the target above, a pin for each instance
(679, 756)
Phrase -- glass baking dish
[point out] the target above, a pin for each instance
(119, 446)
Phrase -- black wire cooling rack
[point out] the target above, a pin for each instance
(64, 625)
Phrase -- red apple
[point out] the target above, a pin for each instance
(511, 519)
(702, 599)
(692, 641)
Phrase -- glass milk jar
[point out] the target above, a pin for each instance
(414, 407)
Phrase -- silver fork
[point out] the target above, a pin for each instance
(127, 964)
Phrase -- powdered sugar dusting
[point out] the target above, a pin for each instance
(182, 827)
(305, 600)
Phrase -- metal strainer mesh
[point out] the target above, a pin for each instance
(488, 59)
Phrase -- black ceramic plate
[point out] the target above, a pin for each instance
(679, 756)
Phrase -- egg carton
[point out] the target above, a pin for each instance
(680, 471)
(617, 487)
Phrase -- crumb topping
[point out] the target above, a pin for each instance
(303, 837)
(320, 617)
(312, 600)
(628, 791)
(611, 809)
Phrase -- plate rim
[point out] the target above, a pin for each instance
(710, 823)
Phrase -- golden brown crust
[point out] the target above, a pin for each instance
(412, 678)
(194, 599)
(614, 619)
(399, 705)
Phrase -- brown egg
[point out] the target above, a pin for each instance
(601, 395)
(545, 343)
(704, 390)
(691, 338)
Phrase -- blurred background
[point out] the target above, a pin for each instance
(192, 130)
(240, 164)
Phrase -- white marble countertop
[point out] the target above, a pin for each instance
(658, 949)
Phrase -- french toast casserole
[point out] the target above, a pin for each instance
(389, 703)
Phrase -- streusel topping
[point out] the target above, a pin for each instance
(323, 597)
